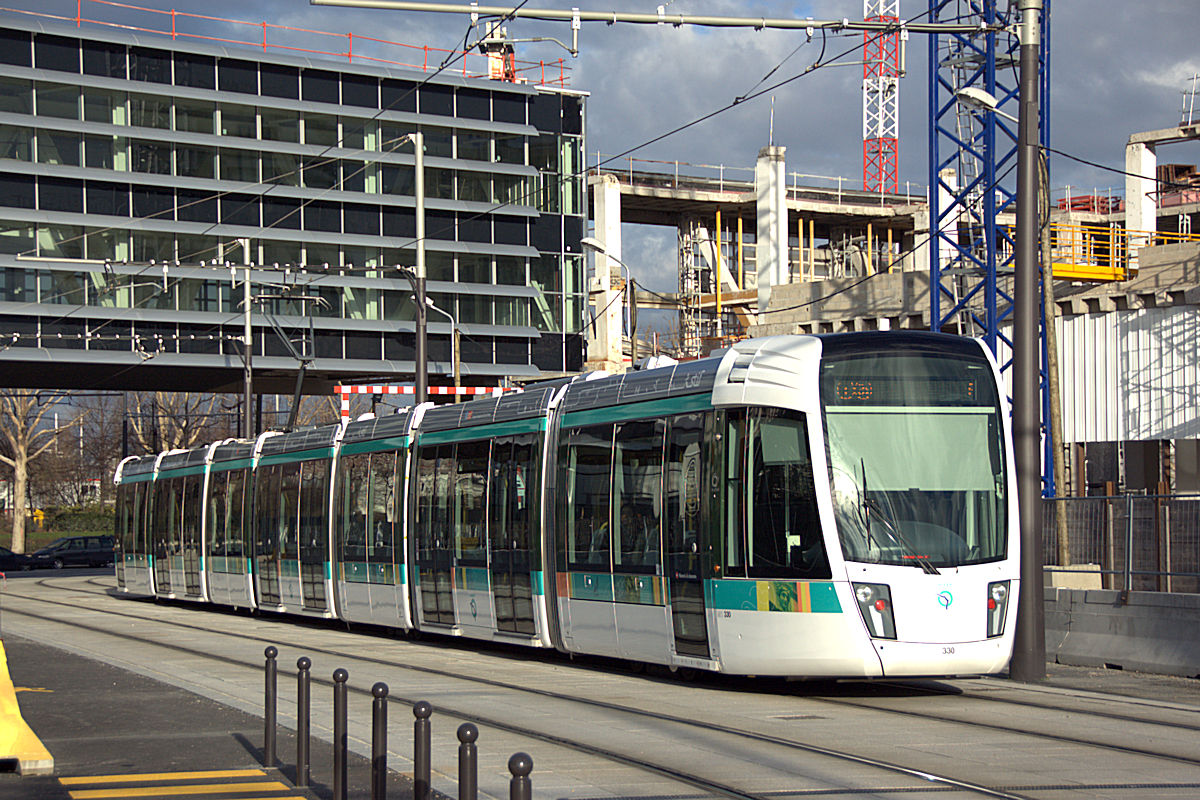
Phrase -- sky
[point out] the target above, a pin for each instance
(1116, 68)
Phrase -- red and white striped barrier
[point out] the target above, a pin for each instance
(476, 391)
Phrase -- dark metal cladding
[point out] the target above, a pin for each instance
(378, 428)
(530, 403)
(142, 466)
(234, 451)
(477, 412)
(595, 393)
(443, 418)
(693, 377)
(837, 345)
(188, 458)
(305, 439)
(650, 384)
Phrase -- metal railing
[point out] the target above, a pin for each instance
(1132, 542)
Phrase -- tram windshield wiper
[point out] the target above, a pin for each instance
(891, 528)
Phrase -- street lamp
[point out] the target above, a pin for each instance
(1029, 649)
(416, 276)
(982, 100)
(455, 352)
(598, 247)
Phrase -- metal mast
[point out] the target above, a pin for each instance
(881, 98)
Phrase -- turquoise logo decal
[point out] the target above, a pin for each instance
(945, 599)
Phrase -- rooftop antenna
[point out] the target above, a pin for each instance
(1189, 103)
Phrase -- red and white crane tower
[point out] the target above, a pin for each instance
(881, 98)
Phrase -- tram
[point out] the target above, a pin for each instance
(806, 506)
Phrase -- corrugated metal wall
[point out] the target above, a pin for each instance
(1130, 375)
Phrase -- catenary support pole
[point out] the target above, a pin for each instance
(421, 353)
(1029, 649)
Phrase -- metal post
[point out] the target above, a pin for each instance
(1029, 648)
(247, 351)
(1128, 581)
(340, 676)
(421, 756)
(269, 705)
(421, 355)
(468, 762)
(379, 742)
(303, 704)
(520, 787)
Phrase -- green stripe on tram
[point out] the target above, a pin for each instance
(534, 425)
(805, 597)
(163, 474)
(224, 466)
(627, 411)
(141, 477)
(299, 455)
(376, 445)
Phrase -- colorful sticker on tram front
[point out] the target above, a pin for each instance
(803, 597)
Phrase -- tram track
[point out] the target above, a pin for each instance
(716, 787)
(941, 782)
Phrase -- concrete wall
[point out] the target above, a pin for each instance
(1144, 631)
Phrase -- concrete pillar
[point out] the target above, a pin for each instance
(771, 247)
(604, 349)
(1141, 204)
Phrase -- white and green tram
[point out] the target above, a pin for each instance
(809, 506)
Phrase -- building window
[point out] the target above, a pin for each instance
(194, 116)
(60, 194)
(194, 162)
(15, 238)
(321, 173)
(474, 268)
(238, 121)
(475, 186)
(321, 129)
(56, 53)
(151, 157)
(153, 66)
(279, 125)
(239, 165)
(510, 148)
(437, 99)
(64, 288)
(237, 76)
(510, 271)
(198, 248)
(103, 59)
(360, 90)
(58, 148)
(57, 101)
(398, 95)
(60, 241)
(160, 247)
(438, 142)
(16, 96)
(149, 111)
(16, 143)
(279, 81)
(281, 168)
(319, 86)
(198, 72)
(474, 145)
(102, 105)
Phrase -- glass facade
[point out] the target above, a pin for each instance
(195, 152)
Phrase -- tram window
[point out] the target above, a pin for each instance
(289, 501)
(426, 469)
(637, 495)
(773, 528)
(191, 512)
(683, 486)
(443, 483)
(381, 546)
(215, 518)
(470, 483)
(352, 508)
(586, 480)
(314, 492)
(511, 493)
(234, 511)
(266, 509)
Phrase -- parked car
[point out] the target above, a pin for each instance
(75, 551)
(10, 561)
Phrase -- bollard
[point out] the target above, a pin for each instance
(520, 787)
(421, 711)
(269, 708)
(340, 676)
(468, 762)
(303, 664)
(379, 742)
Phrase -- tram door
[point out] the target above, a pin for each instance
(191, 534)
(513, 494)
(435, 479)
(314, 496)
(267, 540)
(684, 501)
(166, 517)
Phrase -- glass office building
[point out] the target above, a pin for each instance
(135, 169)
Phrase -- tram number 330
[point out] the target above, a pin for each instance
(947, 651)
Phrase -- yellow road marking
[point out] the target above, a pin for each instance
(163, 776)
(31, 689)
(173, 791)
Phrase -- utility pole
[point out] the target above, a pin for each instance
(1029, 648)
(421, 354)
(247, 343)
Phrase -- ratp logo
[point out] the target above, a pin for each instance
(945, 599)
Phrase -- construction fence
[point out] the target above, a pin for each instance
(1129, 542)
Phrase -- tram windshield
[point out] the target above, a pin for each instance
(916, 458)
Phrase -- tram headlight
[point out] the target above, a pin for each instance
(875, 605)
(997, 607)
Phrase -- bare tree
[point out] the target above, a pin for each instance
(171, 420)
(26, 435)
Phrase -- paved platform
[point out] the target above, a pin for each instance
(114, 733)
